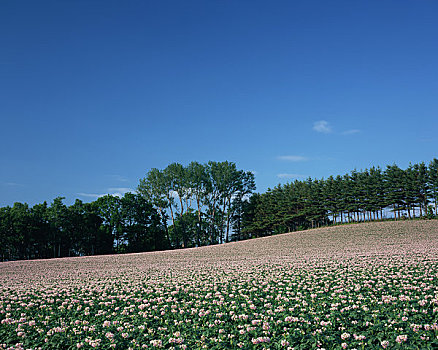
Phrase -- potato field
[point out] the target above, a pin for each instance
(363, 286)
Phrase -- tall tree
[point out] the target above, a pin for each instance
(141, 224)
(377, 192)
(155, 189)
(433, 180)
(41, 228)
(7, 243)
(58, 217)
(421, 187)
(109, 209)
(212, 200)
(199, 182)
(394, 179)
(177, 178)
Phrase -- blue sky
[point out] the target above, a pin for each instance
(96, 93)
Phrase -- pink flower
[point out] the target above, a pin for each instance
(345, 336)
(401, 338)
(384, 344)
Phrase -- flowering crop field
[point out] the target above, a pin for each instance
(365, 286)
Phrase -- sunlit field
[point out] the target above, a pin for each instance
(365, 286)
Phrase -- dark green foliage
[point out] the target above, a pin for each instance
(433, 181)
(358, 196)
(141, 225)
(199, 200)
(108, 225)
(203, 204)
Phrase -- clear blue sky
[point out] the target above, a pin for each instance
(93, 94)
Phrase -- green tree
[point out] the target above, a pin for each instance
(21, 226)
(394, 179)
(433, 181)
(90, 235)
(58, 218)
(142, 226)
(154, 188)
(109, 209)
(7, 242)
(199, 183)
(377, 192)
(41, 229)
(421, 187)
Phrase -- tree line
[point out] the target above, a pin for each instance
(204, 204)
(368, 195)
(173, 208)
(108, 225)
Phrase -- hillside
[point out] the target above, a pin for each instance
(372, 280)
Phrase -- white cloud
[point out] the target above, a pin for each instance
(120, 189)
(13, 184)
(322, 126)
(290, 176)
(292, 158)
(90, 195)
(117, 194)
(351, 132)
(113, 191)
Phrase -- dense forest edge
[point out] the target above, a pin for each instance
(205, 204)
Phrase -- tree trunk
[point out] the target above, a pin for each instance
(228, 219)
(212, 224)
(198, 234)
(181, 203)
(171, 215)
(223, 223)
(228, 229)
(183, 224)
(161, 212)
